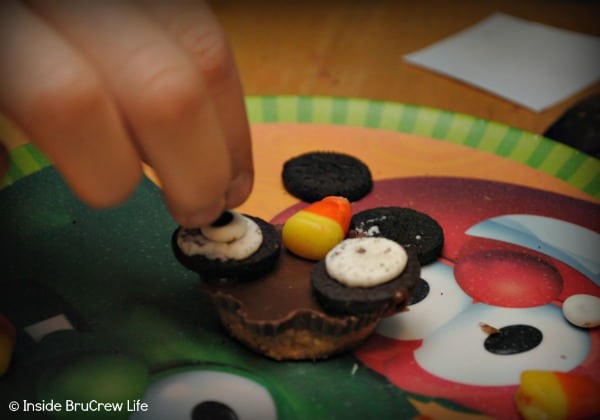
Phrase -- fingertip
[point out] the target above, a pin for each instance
(239, 189)
(108, 189)
(197, 217)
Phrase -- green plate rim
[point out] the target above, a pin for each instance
(576, 168)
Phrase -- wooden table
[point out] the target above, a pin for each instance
(356, 48)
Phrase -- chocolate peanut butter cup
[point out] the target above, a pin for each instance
(278, 316)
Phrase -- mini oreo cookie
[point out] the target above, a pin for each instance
(313, 176)
(408, 227)
(391, 296)
(259, 263)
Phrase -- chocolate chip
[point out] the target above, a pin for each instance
(223, 220)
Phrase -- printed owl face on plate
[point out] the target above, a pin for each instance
(490, 307)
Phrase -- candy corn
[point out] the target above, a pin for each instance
(314, 230)
(557, 395)
(7, 343)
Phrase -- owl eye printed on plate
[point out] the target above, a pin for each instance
(199, 394)
(522, 338)
(515, 340)
(572, 244)
(494, 311)
(505, 340)
(437, 300)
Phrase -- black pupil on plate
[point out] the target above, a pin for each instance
(419, 293)
(213, 410)
(224, 219)
(513, 339)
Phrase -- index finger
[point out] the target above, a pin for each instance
(165, 102)
(195, 27)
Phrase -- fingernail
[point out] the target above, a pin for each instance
(239, 189)
(204, 217)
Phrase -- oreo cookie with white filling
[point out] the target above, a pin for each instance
(225, 250)
(365, 276)
(410, 228)
(313, 176)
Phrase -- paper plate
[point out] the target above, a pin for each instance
(98, 299)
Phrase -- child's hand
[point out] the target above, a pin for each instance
(102, 86)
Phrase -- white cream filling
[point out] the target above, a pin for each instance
(365, 261)
(234, 230)
(194, 242)
(373, 230)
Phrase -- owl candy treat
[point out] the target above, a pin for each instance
(305, 290)
(293, 307)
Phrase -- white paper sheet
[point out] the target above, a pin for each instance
(525, 62)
